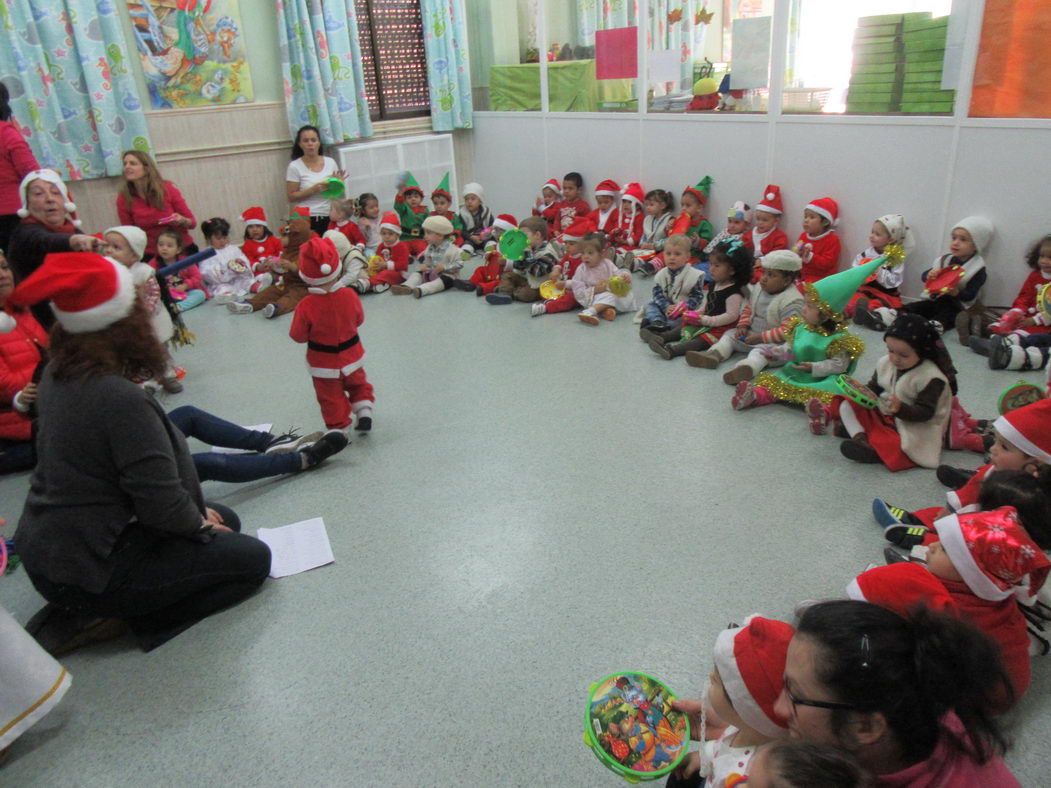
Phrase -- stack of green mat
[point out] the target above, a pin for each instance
(877, 76)
(924, 41)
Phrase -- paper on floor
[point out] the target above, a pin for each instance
(298, 547)
(254, 428)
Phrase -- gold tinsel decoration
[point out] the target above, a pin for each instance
(811, 294)
(893, 255)
(784, 391)
(850, 344)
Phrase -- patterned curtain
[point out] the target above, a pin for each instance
(448, 69)
(321, 65)
(679, 25)
(595, 15)
(65, 65)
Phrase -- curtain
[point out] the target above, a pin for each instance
(66, 67)
(321, 66)
(1012, 78)
(679, 25)
(448, 69)
(792, 79)
(593, 15)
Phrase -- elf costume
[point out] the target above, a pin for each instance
(697, 228)
(457, 222)
(411, 219)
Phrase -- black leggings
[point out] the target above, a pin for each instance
(319, 224)
(164, 584)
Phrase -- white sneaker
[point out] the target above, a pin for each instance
(265, 280)
(225, 298)
(538, 309)
(270, 311)
(240, 307)
(382, 287)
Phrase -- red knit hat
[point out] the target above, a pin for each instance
(581, 226)
(553, 185)
(51, 177)
(319, 261)
(88, 292)
(751, 664)
(994, 554)
(254, 215)
(900, 587)
(505, 221)
(1028, 428)
(607, 188)
(771, 202)
(390, 221)
(825, 206)
(633, 191)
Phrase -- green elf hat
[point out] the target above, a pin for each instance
(443, 189)
(832, 293)
(410, 184)
(701, 190)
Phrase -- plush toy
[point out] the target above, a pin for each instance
(728, 98)
(705, 95)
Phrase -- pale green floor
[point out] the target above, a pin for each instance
(541, 504)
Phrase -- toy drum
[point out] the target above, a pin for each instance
(631, 727)
(334, 189)
(948, 279)
(856, 391)
(513, 244)
(548, 291)
(1017, 396)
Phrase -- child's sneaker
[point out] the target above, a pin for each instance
(538, 309)
(401, 290)
(744, 396)
(270, 311)
(953, 477)
(741, 372)
(171, 384)
(887, 515)
(464, 284)
(417, 292)
(380, 287)
(819, 416)
(907, 536)
(498, 299)
(589, 316)
(225, 298)
(979, 345)
(239, 307)
(479, 291)
(607, 313)
(859, 449)
(291, 441)
(364, 424)
(265, 280)
(704, 359)
(865, 317)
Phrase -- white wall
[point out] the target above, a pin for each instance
(933, 171)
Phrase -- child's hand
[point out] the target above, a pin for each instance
(601, 287)
(646, 245)
(27, 396)
(954, 292)
(1029, 321)
(753, 339)
(625, 276)
(741, 332)
(805, 366)
(669, 309)
(439, 268)
(560, 284)
(933, 273)
(424, 268)
(539, 202)
(895, 403)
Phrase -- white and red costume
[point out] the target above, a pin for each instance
(820, 254)
(1025, 306)
(21, 350)
(395, 256)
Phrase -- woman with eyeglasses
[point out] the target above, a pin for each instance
(912, 699)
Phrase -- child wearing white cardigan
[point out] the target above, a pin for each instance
(591, 283)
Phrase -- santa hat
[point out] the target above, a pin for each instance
(254, 215)
(475, 189)
(299, 213)
(135, 237)
(993, 554)
(900, 587)
(633, 191)
(580, 227)
(782, 260)
(505, 221)
(88, 292)
(319, 261)
(438, 224)
(826, 207)
(607, 188)
(740, 210)
(1028, 428)
(751, 664)
(443, 189)
(554, 186)
(390, 221)
(978, 227)
(899, 232)
(51, 177)
(702, 190)
(771, 202)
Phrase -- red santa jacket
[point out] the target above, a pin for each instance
(561, 213)
(397, 256)
(20, 352)
(569, 265)
(628, 231)
(820, 255)
(490, 271)
(350, 229)
(328, 323)
(1025, 306)
(774, 240)
(255, 251)
(611, 223)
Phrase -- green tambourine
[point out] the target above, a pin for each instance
(334, 189)
(513, 244)
(1017, 396)
(631, 727)
(856, 391)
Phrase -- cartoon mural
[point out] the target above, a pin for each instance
(192, 52)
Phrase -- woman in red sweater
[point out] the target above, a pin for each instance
(21, 351)
(16, 161)
(152, 204)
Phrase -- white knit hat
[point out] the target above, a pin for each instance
(135, 237)
(51, 177)
(475, 189)
(979, 228)
(781, 260)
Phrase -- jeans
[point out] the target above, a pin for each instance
(195, 423)
(163, 584)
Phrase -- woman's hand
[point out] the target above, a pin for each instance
(84, 243)
(26, 396)
(341, 174)
(179, 220)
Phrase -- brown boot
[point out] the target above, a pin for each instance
(859, 449)
(705, 359)
(738, 373)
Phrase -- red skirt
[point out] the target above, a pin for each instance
(879, 429)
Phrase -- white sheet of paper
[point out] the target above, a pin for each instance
(750, 67)
(665, 65)
(255, 427)
(297, 548)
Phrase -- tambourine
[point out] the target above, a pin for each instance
(619, 286)
(947, 279)
(376, 264)
(334, 189)
(1017, 396)
(548, 291)
(513, 244)
(631, 727)
(856, 391)
(1043, 300)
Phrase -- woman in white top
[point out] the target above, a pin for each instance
(307, 174)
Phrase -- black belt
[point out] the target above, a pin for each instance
(333, 348)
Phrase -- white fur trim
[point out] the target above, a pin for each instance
(475, 189)
(605, 192)
(1011, 433)
(770, 196)
(854, 591)
(105, 314)
(951, 536)
(736, 689)
(22, 213)
(331, 374)
(820, 212)
(7, 323)
(502, 225)
(394, 228)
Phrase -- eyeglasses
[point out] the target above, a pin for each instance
(817, 704)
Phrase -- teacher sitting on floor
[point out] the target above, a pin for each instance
(115, 532)
(152, 204)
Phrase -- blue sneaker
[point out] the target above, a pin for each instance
(887, 515)
(498, 299)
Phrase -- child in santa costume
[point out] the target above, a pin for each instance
(228, 275)
(475, 217)
(327, 321)
(564, 271)
(738, 225)
(883, 289)
(522, 282)
(545, 205)
(677, 288)
(591, 283)
(915, 383)
(818, 245)
(690, 222)
(341, 217)
(606, 217)
(408, 204)
(988, 563)
(570, 207)
(627, 235)
(281, 297)
(486, 277)
(747, 680)
(1021, 339)
(259, 242)
(390, 264)
(440, 262)
(766, 236)
(901, 587)
(774, 305)
(818, 347)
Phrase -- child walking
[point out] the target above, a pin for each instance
(915, 383)
(766, 236)
(440, 262)
(227, 275)
(882, 291)
(591, 283)
(678, 288)
(327, 321)
(818, 245)
(773, 307)
(186, 287)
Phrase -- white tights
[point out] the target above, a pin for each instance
(850, 421)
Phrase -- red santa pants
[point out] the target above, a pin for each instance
(340, 398)
(390, 277)
(880, 431)
(563, 303)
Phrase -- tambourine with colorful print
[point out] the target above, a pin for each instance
(947, 279)
(631, 727)
(1017, 396)
(856, 391)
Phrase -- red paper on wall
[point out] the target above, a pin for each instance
(617, 53)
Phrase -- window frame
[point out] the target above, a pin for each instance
(373, 66)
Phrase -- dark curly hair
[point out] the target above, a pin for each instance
(740, 259)
(297, 150)
(1032, 259)
(128, 347)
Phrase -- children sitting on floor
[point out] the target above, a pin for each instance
(341, 218)
(766, 236)
(227, 275)
(186, 286)
(678, 288)
(738, 224)
(655, 224)
(390, 264)
(439, 264)
(408, 204)
(563, 272)
(522, 282)
(606, 217)
(818, 245)
(883, 289)
(595, 283)
(475, 217)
